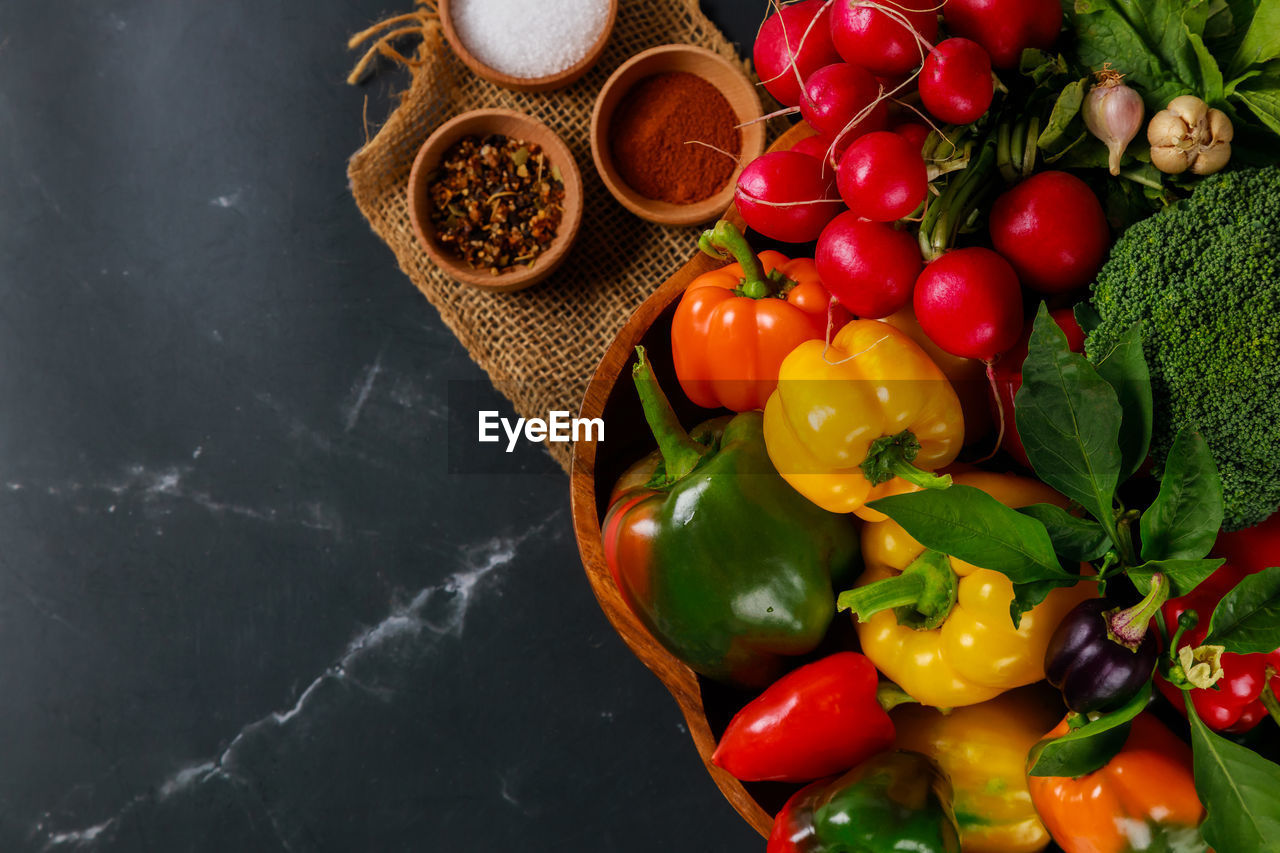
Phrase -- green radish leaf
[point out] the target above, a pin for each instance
(1210, 73)
(970, 525)
(1069, 419)
(1183, 521)
(1075, 540)
(1183, 575)
(1089, 747)
(1261, 41)
(1247, 619)
(1125, 369)
(1261, 94)
(1238, 788)
(1146, 40)
(1040, 65)
(1064, 113)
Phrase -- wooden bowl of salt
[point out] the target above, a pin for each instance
(529, 47)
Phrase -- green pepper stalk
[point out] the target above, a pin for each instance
(726, 241)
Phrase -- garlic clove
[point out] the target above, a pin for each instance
(1170, 159)
(1190, 109)
(1167, 129)
(1220, 127)
(1211, 159)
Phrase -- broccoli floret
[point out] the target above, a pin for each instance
(1203, 276)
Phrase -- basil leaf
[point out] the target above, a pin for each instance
(970, 525)
(1238, 788)
(1247, 619)
(1069, 420)
(1183, 575)
(1028, 595)
(1065, 110)
(1261, 41)
(1183, 521)
(1089, 747)
(1075, 540)
(1125, 368)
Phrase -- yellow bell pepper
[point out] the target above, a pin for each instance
(849, 421)
(983, 749)
(940, 627)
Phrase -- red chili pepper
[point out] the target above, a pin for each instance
(1235, 703)
(816, 721)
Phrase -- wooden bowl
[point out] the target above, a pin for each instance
(517, 126)
(707, 706)
(526, 84)
(717, 71)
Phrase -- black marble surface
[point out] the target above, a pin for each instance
(243, 604)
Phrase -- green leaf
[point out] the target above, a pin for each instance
(1261, 41)
(1040, 65)
(1210, 74)
(1125, 369)
(1088, 317)
(1065, 110)
(1183, 575)
(1183, 521)
(1147, 40)
(1089, 747)
(1238, 788)
(1247, 619)
(1028, 595)
(970, 525)
(1261, 94)
(1075, 540)
(1069, 419)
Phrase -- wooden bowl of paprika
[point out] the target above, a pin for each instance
(706, 705)
(671, 130)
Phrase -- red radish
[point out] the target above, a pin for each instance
(876, 36)
(1005, 28)
(814, 146)
(786, 35)
(883, 177)
(969, 303)
(869, 266)
(787, 196)
(1053, 230)
(913, 132)
(1008, 378)
(833, 96)
(955, 82)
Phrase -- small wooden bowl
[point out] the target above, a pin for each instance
(516, 126)
(707, 706)
(716, 70)
(526, 84)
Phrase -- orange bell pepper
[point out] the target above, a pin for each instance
(735, 325)
(1144, 794)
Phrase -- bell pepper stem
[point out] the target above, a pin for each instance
(922, 597)
(680, 453)
(891, 456)
(725, 240)
(1268, 696)
(1128, 626)
(890, 696)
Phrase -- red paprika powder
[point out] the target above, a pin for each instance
(652, 132)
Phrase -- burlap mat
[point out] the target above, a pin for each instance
(539, 346)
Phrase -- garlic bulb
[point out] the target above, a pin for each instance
(1113, 112)
(1189, 135)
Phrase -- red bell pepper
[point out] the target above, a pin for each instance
(1237, 702)
(818, 720)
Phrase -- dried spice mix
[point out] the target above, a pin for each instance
(496, 202)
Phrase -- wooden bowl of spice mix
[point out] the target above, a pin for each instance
(670, 131)
(495, 199)
(530, 47)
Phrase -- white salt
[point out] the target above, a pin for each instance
(529, 39)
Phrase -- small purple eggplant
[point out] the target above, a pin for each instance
(1101, 655)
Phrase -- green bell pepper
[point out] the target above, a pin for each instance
(728, 566)
(895, 801)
